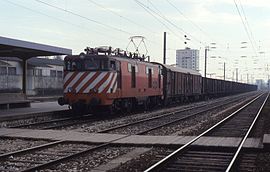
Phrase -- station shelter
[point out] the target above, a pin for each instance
(24, 50)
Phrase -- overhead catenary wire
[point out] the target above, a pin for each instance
(248, 26)
(159, 13)
(127, 19)
(245, 27)
(149, 11)
(61, 20)
(86, 18)
(191, 22)
(123, 17)
(70, 23)
(91, 20)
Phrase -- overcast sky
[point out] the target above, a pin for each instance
(76, 24)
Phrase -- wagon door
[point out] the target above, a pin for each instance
(189, 84)
(184, 84)
(172, 84)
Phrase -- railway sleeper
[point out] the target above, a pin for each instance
(192, 167)
(206, 162)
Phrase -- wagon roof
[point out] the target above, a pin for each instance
(182, 70)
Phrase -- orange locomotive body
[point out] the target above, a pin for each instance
(97, 80)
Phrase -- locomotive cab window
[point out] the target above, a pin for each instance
(96, 64)
(103, 64)
(112, 65)
(67, 65)
(73, 65)
(90, 64)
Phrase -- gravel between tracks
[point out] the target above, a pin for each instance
(90, 160)
(207, 122)
(188, 126)
(14, 144)
(263, 161)
(143, 161)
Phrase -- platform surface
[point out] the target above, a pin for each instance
(266, 139)
(129, 139)
(35, 108)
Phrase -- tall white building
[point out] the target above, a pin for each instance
(187, 58)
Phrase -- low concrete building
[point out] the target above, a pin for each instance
(44, 76)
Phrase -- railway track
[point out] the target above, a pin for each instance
(43, 156)
(238, 124)
(56, 123)
(148, 125)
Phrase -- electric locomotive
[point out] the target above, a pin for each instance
(102, 79)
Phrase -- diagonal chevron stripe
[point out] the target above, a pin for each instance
(84, 81)
(112, 84)
(95, 82)
(69, 74)
(105, 84)
(74, 80)
(114, 88)
(69, 78)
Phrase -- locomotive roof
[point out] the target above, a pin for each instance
(182, 70)
(131, 60)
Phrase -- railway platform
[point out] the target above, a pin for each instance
(35, 109)
(220, 142)
(13, 100)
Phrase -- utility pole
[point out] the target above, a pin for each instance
(236, 74)
(164, 49)
(224, 71)
(205, 60)
(268, 82)
(241, 78)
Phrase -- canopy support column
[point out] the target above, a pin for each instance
(24, 79)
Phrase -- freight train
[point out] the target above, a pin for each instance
(106, 80)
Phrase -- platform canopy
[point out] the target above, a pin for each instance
(24, 49)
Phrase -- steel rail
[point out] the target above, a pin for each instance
(30, 149)
(245, 137)
(38, 123)
(68, 124)
(50, 121)
(165, 160)
(24, 151)
(50, 163)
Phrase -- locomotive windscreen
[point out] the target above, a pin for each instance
(87, 64)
